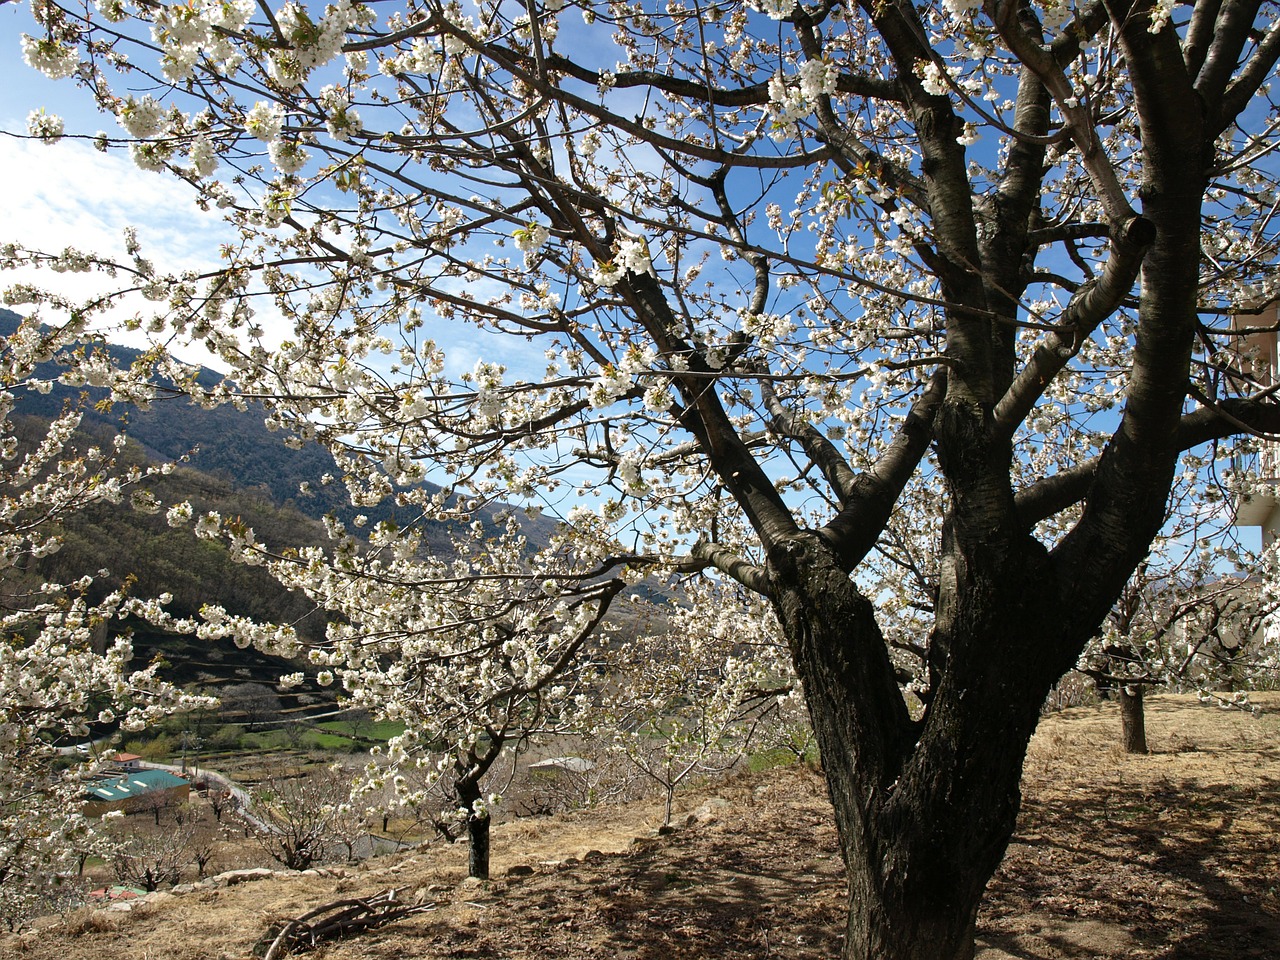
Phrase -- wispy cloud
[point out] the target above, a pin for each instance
(70, 195)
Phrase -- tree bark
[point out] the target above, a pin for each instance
(478, 848)
(925, 809)
(477, 833)
(1133, 722)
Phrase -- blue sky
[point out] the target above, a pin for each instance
(68, 194)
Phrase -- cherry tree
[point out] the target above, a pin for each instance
(62, 666)
(688, 701)
(150, 858)
(473, 652)
(899, 315)
(1200, 619)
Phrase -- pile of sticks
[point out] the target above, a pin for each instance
(342, 918)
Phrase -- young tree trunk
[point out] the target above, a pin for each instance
(478, 848)
(477, 833)
(1133, 722)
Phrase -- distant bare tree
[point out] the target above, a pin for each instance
(220, 801)
(296, 819)
(294, 731)
(150, 858)
(156, 803)
(255, 703)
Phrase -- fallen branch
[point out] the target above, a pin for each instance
(342, 918)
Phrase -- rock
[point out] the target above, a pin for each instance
(520, 870)
(707, 813)
(233, 877)
(183, 889)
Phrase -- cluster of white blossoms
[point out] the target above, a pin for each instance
(615, 380)
(488, 381)
(775, 9)
(768, 328)
(933, 78)
(339, 119)
(265, 121)
(630, 255)
(1161, 11)
(142, 118)
(45, 126)
(794, 99)
(530, 239)
(310, 45)
(201, 29)
(288, 156)
(55, 60)
(422, 57)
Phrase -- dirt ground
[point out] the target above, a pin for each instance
(1174, 855)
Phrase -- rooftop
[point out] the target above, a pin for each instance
(132, 785)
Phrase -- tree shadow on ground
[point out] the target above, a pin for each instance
(1151, 862)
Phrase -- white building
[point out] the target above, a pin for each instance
(1260, 362)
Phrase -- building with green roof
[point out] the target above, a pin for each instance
(135, 790)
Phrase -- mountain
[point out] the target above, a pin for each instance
(240, 469)
(235, 446)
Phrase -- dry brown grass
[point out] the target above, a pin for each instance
(1175, 855)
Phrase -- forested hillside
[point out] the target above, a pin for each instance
(232, 446)
(231, 463)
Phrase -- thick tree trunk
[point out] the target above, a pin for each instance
(1133, 721)
(926, 809)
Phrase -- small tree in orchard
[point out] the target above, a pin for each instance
(1196, 613)
(299, 820)
(65, 661)
(144, 856)
(752, 280)
(473, 653)
(687, 703)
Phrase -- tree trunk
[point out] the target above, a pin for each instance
(477, 832)
(1133, 721)
(478, 848)
(925, 810)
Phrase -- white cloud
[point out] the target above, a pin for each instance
(70, 195)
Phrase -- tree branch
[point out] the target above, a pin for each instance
(1092, 303)
(1044, 498)
(856, 528)
(750, 575)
